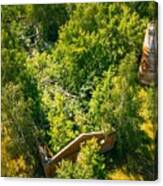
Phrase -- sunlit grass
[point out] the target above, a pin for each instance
(121, 174)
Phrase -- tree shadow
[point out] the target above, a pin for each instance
(142, 161)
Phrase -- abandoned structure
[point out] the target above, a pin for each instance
(148, 64)
(70, 151)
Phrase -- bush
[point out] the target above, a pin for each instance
(18, 134)
(89, 163)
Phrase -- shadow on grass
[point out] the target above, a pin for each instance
(141, 162)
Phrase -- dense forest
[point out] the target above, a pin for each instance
(68, 69)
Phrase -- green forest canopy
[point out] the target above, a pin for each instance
(72, 68)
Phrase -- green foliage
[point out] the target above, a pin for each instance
(65, 169)
(148, 10)
(26, 27)
(114, 102)
(55, 14)
(17, 133)
(62, 114)
(68, 69)
(81, 54)
(89, 163)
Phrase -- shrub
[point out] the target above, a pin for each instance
(89, 163)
